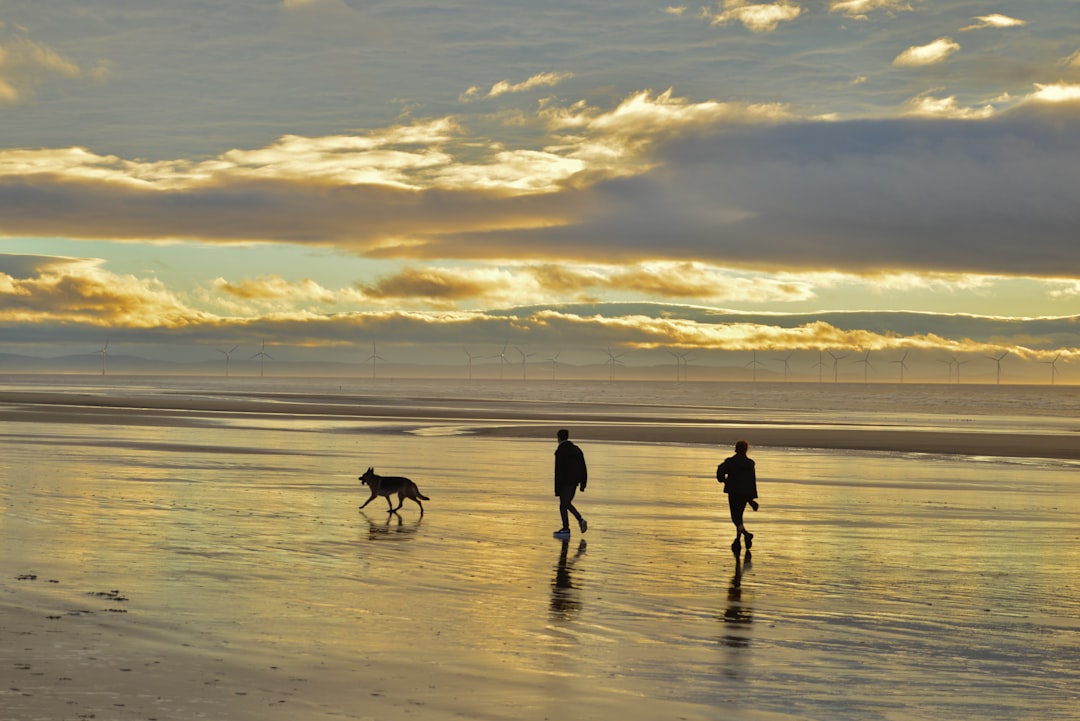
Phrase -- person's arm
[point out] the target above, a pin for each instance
(584, 470)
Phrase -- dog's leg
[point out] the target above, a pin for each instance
(390, 504)
(400, 502)
(373, 497)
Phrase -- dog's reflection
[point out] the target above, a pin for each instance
(565, 600)
(393, 528)
(737, 613)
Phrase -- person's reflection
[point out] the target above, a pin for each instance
(565, 603)
(738, 615)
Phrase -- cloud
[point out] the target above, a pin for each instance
(35, 289)
(944, 194)
(655, 178)
(1072, 61)
(994, 21)
(1054, 93)
(927, 106)
(450, 287)
(383, 192)
(543, 80)
(274, 287)
(929, 54)
(861, 9)
(755, 17)
(505, 87)
(26, 64)
(53, 297)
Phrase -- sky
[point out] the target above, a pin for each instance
(442, 180)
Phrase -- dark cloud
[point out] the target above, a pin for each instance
(998, 196)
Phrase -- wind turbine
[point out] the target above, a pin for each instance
(678, 365)
(787, 366)
(1053, 368)
(613, 360)
(524, 360)
(867, 365)
(681, 359)
(820, 365)
(468, 363)
(502, 358)
(903, 365)
(754, 366)
(950, 364)
(998, 361)
(958, 363)
(835, 365)
(228, 354)
(554, 364)
(374, 358)
(262, 355)
(685, 357)
(104, 354)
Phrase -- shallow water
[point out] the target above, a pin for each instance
(882, 586)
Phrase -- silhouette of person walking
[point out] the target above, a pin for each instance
(739, 477)
(570, 474)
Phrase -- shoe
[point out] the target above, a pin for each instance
(583, 525)
(736, 547)
(754, 505)
(749, 539)
(562, 533)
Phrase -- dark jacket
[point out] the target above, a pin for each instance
(570, 469)
(738, 475)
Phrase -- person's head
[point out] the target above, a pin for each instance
(563, 434)
(742, 447)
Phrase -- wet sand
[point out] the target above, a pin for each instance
(178, 556)
(898, 424)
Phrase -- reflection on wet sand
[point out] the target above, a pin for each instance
(738, 614)
(393, 528)
(565, 596)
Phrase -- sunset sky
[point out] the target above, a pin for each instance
(437, 178)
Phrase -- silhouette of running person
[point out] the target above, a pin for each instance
(570, 474)
(739, 477)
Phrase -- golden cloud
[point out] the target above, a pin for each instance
(537, 81)
(1055, 93)
(421, 156)
(995, 20)
(755, 17)
(547, 282)
(616, 143)
(947, 108)
(929, 54)
(274, 287)
(861, 9)
(72, 290)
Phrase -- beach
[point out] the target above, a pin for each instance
(192, 549)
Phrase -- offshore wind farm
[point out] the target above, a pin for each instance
(661, 364)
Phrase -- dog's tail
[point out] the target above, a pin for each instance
(422, 497)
